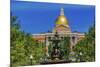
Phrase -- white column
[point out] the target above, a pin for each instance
(71, 43)
(47, 44)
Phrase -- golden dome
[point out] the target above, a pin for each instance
(61, 20)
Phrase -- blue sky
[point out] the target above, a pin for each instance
(36, 17)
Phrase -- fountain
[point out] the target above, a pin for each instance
(56, 51)
(56, 55)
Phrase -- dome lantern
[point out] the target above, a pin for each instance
(62, 12)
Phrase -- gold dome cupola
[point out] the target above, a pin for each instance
(62, 25)
(62, 20)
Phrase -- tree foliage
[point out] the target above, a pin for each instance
(87, 46)
(22, 46)
(65, 46)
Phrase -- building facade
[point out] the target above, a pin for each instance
(63, 29)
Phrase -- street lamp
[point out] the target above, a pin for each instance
(31, 57)
(80, 56)
(81, 53)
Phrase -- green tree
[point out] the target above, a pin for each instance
(87, 46)
(65, 46)
(23, 45)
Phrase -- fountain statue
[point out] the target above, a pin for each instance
(56, 55)
(56, 51)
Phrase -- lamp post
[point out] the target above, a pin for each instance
(31, 57)
(80, 56)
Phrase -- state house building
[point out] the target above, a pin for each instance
(63, 29)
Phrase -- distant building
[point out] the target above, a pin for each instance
(63, 29)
